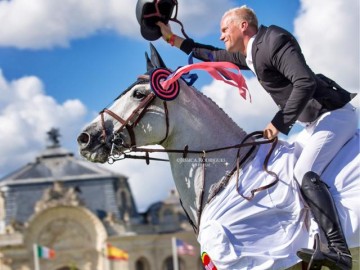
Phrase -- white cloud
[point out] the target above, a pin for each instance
(197, 14)
(26, 114)
(44, 24)
(328, 32)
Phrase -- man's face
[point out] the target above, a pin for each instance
(232, 34)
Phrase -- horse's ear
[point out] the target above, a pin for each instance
(156, 58)
(149, 64)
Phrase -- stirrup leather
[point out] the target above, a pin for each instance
(317, 258)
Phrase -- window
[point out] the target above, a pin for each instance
(142, 264)
(168, 217)
(168, 264)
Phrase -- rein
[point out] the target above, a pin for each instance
(135, 118)
(187, 151)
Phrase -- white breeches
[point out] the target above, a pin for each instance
(323, 138)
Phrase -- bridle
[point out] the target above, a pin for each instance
(130, 123)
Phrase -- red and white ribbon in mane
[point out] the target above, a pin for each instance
(218, 70)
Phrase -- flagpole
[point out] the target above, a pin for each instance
(174, 253)
(103, 253)
(107, 262)
(36, 257)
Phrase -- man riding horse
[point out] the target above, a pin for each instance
(321, 105)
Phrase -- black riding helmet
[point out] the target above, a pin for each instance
(149, 12)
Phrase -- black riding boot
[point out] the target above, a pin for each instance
(323, 208)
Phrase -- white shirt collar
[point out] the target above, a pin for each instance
(249, 60)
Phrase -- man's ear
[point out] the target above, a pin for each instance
(244, 25)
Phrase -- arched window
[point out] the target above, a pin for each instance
(142, 264)
(168, 216)
(168, 264)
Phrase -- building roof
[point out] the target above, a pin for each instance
(97, 188)
(55, 164)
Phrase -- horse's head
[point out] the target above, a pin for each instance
(134, 113)
(193, 130)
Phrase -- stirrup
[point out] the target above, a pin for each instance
(314, 257)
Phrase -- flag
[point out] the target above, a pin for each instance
(114, 253)
(184, 248)
(45, 252)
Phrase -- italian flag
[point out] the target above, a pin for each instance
(45, 252)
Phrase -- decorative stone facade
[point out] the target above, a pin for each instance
(75, 208)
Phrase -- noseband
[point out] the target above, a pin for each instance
(131, 122)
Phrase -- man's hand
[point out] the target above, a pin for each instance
(270, 132)
(165, 30)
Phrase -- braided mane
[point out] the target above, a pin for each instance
(212, 103)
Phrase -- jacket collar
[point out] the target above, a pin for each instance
(258, 40)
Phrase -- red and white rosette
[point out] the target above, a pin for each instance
(158, 76)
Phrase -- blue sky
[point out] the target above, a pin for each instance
(94, 68)
(63, 61)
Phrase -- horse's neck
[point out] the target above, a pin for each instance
(196, 115)
(200, 124)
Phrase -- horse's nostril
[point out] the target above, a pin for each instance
(83, 139)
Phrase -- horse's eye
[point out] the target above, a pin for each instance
(138, 94)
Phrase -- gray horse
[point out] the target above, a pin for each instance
(237, 190)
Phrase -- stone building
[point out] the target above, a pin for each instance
(75, 208)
